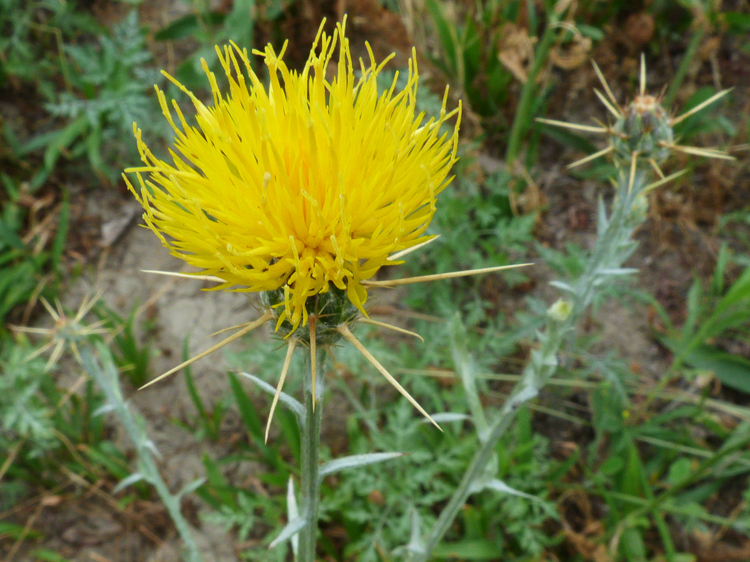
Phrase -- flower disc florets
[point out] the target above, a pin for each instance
(644, 128)
(302, 186)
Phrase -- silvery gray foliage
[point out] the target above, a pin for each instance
(24, 413)
(102, 369)
(601, 269)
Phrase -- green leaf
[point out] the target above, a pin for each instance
(680, 471)
(612, 465)
(48, 556)
(738, 292)
(633, 477)
(219, 488)
(247, 409)
(632, 545)
(291, 432)
(58, 245)
(187, 26)
(465, 366)
(737, 21)
(64, 139)
(195, 396)
(694, 298)
(445, 33)
(481, 549)
(15, 532)
(717, 283)
(108, 456)
(566, 138)
(732, 370)
(239, 23)
(590, 31)
(292, 403)
(289, 531)
(355, 461)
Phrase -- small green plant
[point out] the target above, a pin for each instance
(131, 356)
(475, 61)
(28, 266)
(711, 315)
(38, 421)
(107, 92)
(639, 140)
(674, 481)
(215, 27)
(25, 411)
(31, 45)
(208, 420)
(477, 228)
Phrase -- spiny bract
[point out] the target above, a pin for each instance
(301, 184)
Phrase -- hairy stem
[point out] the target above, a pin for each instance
(106, 377)
(310, 469)
(612, 247)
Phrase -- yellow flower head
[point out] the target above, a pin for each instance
(299, 185)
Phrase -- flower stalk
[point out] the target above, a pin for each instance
(105, 375)
(310, 461)
(612, 248)
(639, 141)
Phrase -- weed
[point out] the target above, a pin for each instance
(131, 357)
(712, 315)
(29, 269)
(214, 27)
(110, 91)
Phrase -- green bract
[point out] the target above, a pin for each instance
(330, 309)
(643, 129)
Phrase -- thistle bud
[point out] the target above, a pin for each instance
(643, 128)
(330, 309)
(560, 310)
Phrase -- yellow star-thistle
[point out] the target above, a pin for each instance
(301, 184)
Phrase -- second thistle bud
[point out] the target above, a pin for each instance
(329, 309)
(644, 129)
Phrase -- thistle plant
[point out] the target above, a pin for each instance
(93, 355)
(639, 141)
(301, 191)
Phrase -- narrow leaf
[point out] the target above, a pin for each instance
(465, 365)
(292, 512)
(601, 217)
(563, 286)
(502, 487)
(191, 487)
(101, 410)
(291, 403)
(448, 417)
(291, 529)
(129, 481)
(354, 461)
(416, 544)
(617, 271)
(732, 370)
(247, 410)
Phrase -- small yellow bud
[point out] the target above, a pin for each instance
(560, 310)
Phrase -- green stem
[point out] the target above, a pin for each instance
(679, 77)
(310, 469)
(611, 249)
(172, 503)
(107, 379)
